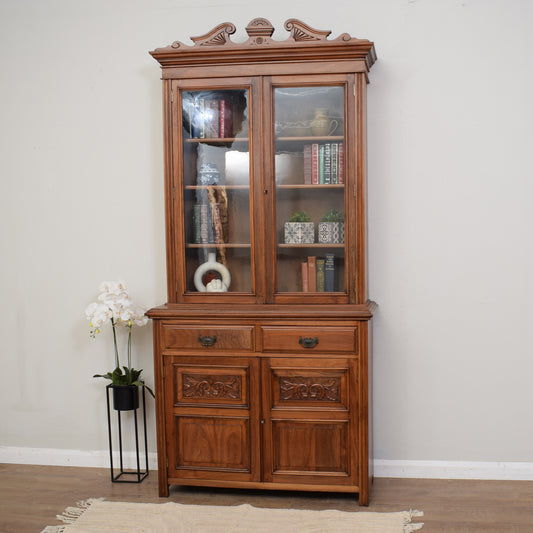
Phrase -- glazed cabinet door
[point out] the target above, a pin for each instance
(213, 174)
(310, 428)
(312, 233)
(212, 418)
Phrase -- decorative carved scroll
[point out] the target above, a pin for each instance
(303, 32)
(219, 35)
(223, 387)
(309, 389)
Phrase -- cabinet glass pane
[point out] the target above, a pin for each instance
(216, 191)
(309, 178)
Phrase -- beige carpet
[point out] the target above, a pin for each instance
(98, 516)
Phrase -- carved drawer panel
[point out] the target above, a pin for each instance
(210, 385)
(309, 339)
(207, 338)
(309, 387)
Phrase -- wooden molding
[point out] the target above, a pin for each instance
(302, 43)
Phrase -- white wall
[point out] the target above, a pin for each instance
(450, 188)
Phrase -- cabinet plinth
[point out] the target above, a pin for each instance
(262, 353)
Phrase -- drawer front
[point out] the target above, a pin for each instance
(309, 339)
(207, 338)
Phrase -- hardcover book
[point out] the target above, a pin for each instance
(307, 164)
(320, 274)
(329, 272)
(311, 273)
(314, 164)
(305, 277)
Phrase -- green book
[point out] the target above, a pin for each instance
(320, 274)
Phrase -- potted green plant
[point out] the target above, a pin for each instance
(115, 306)
(299, 229)
(331, 228)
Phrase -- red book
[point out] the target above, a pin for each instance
(314, 164)
(307, 164)
(226, 120)
(311, 273)
(305, 278)
(340, 168)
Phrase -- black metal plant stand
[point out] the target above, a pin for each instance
(138, 473)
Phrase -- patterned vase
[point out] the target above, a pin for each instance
(299, 232)
(331, 232)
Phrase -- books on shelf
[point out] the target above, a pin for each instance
(318, 274)
(324, 163)
(210, 118)
(210, 219)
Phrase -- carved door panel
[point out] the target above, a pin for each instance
(212, 418)
(309, 413)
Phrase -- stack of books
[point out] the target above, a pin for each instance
(324, 163)
(209, 223)
(210, 118)
(318, 274)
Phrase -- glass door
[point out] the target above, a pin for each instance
(310, 202)
(216, 189)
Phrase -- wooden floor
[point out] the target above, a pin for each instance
(31, 497)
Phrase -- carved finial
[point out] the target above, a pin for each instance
(259, 30)
(260, 27)
(303, 32)
(217, 36)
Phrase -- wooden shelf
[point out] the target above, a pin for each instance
(221, 245)
(221, 140)
(314, 245)
(216, 187)
(312, 138)
(321, 186)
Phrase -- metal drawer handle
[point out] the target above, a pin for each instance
(206, 340)
(308, 342)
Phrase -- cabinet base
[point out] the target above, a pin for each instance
(363, 497)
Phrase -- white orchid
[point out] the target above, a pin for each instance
(114, 305)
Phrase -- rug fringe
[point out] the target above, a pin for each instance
(408, 526)
(71, 514)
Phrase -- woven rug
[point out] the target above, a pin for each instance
(98, 516)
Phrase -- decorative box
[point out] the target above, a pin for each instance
(331, 232)
(299, 232)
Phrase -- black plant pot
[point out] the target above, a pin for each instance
(125, 397)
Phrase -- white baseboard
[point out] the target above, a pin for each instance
(59, 457)
(454, 470)
(382, 467)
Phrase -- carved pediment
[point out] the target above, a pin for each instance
(303, 39)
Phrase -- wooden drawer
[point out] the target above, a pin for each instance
(309, 339)
(207, 338)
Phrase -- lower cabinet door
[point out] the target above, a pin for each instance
(212, 418)
(310, 413)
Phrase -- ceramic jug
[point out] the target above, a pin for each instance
(321, 125)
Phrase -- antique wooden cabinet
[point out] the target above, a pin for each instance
(263, 350)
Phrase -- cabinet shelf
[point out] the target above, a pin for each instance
(217, 140)
(221, 245)
(320, 186)
(312, 138)
(314, 245)
(216, 187)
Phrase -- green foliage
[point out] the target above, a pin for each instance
(300, 216)
(130, 376)
(333, 216)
